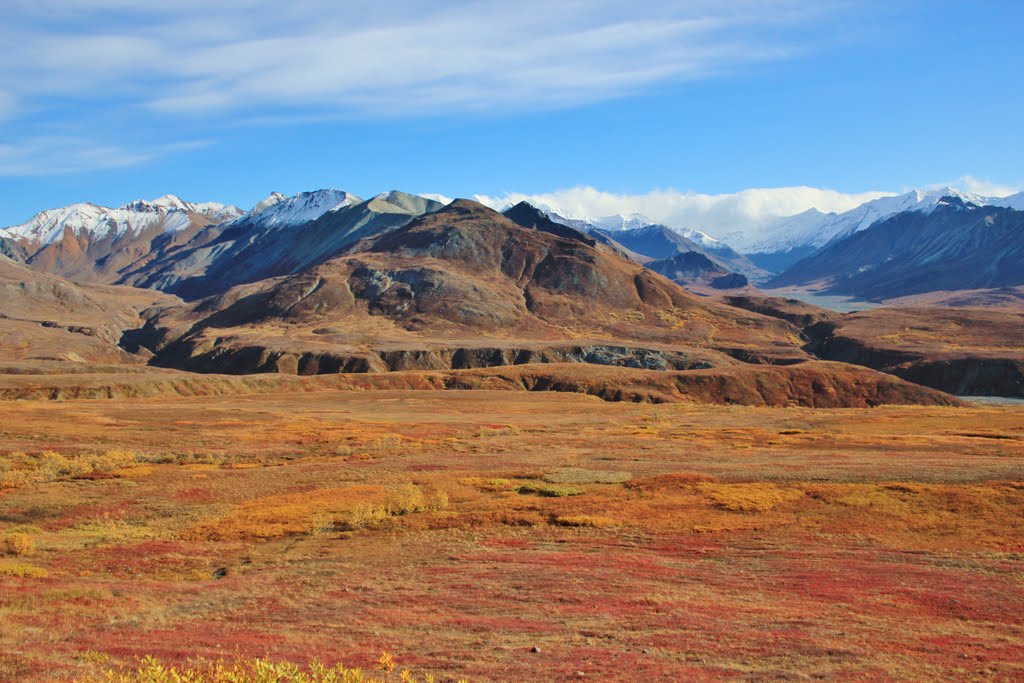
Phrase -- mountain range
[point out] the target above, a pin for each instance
(328, 282)
(195, 248)
(784, 242)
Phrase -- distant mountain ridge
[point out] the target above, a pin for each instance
(328, 282)
(774, 244)
(951, 245)
(787, 240)
(199, 248)
(694, 268)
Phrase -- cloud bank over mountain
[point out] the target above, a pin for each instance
(717, 214)
(711, 212)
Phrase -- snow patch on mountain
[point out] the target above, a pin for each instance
(815, 229)
(628, 221)
(271, 199)
(701, 238)
(215, 211)
(278, 211)
(47, 226)
(169, 212)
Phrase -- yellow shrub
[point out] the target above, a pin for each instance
(753, 497)
(24, 470)
(257, 670)
(348, 508)
(18, 543)
(22, 570)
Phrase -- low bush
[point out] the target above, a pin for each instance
(336, 509)
(22, 469)
(748, 497)
(576, 475)
(258, 670)
(550, 490)
(17, 543)
(584, 521)
(22, 570)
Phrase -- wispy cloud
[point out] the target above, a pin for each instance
(49, 155)
(408, 58)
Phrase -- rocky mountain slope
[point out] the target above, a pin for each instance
(278, 237)
(46, 318)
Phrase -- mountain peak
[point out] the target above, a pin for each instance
(280, 211)
(463, 206)
(270, 200)
(409, 203)
(626, 221)
(171, 201)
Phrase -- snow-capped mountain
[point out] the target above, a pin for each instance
(634, 221)
(815, 229)
(278, 211)
(628, 221)
(280, 236)
(949, 244)
(46, 226)
(169, 212)
(96, 243)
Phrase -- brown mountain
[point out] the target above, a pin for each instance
(46, 318)
(461, 287)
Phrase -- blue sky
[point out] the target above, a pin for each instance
(110, 100)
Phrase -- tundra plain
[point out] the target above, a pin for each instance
(496, 535)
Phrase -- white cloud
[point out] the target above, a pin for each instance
(47, 155)
(717, 214)
(408, 58)
(444, 199)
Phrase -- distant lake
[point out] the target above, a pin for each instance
(998, 400)
(842, 304)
